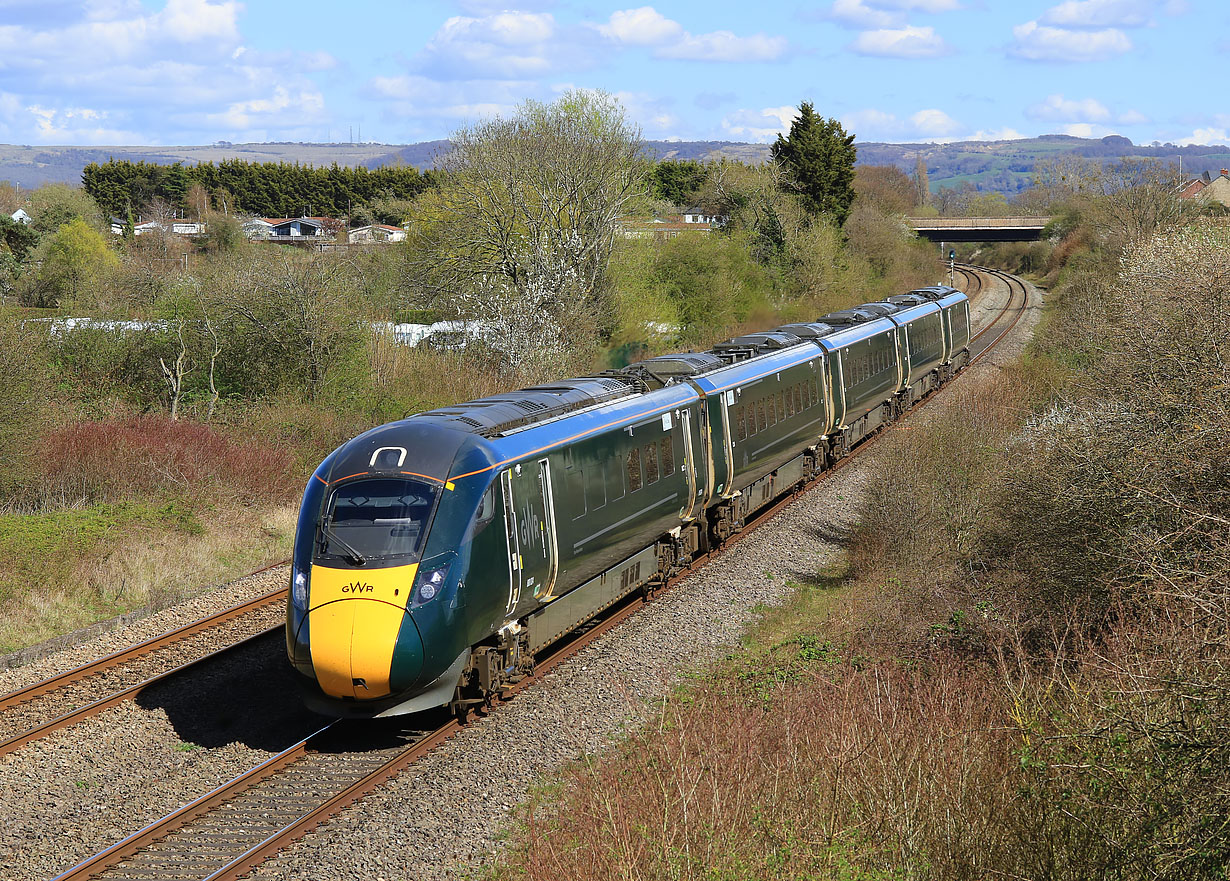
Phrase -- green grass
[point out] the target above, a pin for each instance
(72, 567)
(37, 547)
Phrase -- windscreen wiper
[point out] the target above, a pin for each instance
(351, 554)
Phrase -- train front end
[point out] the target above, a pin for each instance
(377, 619)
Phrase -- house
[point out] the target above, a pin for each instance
(295, 227)
(257, 228)
(1217, 190)
(1206, 187)
(668, 227)
(696, 214)
(172, 226)
(377, 232)
(21, 216)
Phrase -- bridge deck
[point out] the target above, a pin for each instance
(979, 229)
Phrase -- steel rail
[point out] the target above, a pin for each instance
(84, 672)
(115, 659)
(1012, 282)
(95, 707)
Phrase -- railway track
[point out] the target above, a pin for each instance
(36, 710)
(225, 833)
(1006, 319)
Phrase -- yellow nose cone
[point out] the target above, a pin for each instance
(354, 619)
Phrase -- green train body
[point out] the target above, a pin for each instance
(434, 556)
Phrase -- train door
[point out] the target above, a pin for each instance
(722, 446)
(693, 463)
(533, 529)
(550, 537)
(516, 579)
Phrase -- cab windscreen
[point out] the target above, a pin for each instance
(376, 519)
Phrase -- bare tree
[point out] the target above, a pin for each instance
(538, 195)
(1140, 197)
(174, 374)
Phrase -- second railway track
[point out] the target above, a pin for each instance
(263, 813)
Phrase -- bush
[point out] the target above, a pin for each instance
(153, 457)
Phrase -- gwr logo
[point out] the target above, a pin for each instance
(358, 587)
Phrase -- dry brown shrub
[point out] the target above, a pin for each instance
(153, 457)
(878, 773)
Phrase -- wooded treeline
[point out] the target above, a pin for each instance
(264, 189)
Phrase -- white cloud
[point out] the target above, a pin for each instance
(647, 27)
(884, 13)
(1208, 136)
(1036, 42)
(502, 45)
(193, 20)
(935, 124)
(1099, 13)
(1085, 130)
(73, 125)
(456, 100)
(1002, 134)
(871, 124)
(1132, 117)
(1059, 108)
(861, 15)
(725, 46)
(275, 110)
(641, 27)
(653, 113)
(759, 125)
(906, 42)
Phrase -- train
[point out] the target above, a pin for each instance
(436, 556)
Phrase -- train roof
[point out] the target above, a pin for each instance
(500, 413)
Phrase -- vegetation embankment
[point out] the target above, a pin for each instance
(1020, 670)
(160, 439)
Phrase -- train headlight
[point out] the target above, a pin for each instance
(429, 586)
(299, 590)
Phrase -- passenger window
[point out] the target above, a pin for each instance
(781, 406)
(761, 422)
(574, 480)
(740, 425)
(595, 486)
(668, 456)
(634, 469)
(615, 482)
(651, 463)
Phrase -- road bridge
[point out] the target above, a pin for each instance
(979, 229)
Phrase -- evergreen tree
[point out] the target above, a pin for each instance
(819, 156)
(922, 185)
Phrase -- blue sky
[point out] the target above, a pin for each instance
(118, 72)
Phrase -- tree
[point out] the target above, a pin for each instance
(819, 156)
(886, 187)
(1140, 197)
(922, 184)
(677, 181)
(73, 256)
(53, 205)
(532, 199)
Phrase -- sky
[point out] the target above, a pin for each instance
(194, 72)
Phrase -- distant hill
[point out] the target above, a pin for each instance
(1000, 166)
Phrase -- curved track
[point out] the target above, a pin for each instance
(226, 832)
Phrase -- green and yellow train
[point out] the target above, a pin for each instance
(436, 555)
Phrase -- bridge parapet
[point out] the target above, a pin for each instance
(979, 229)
